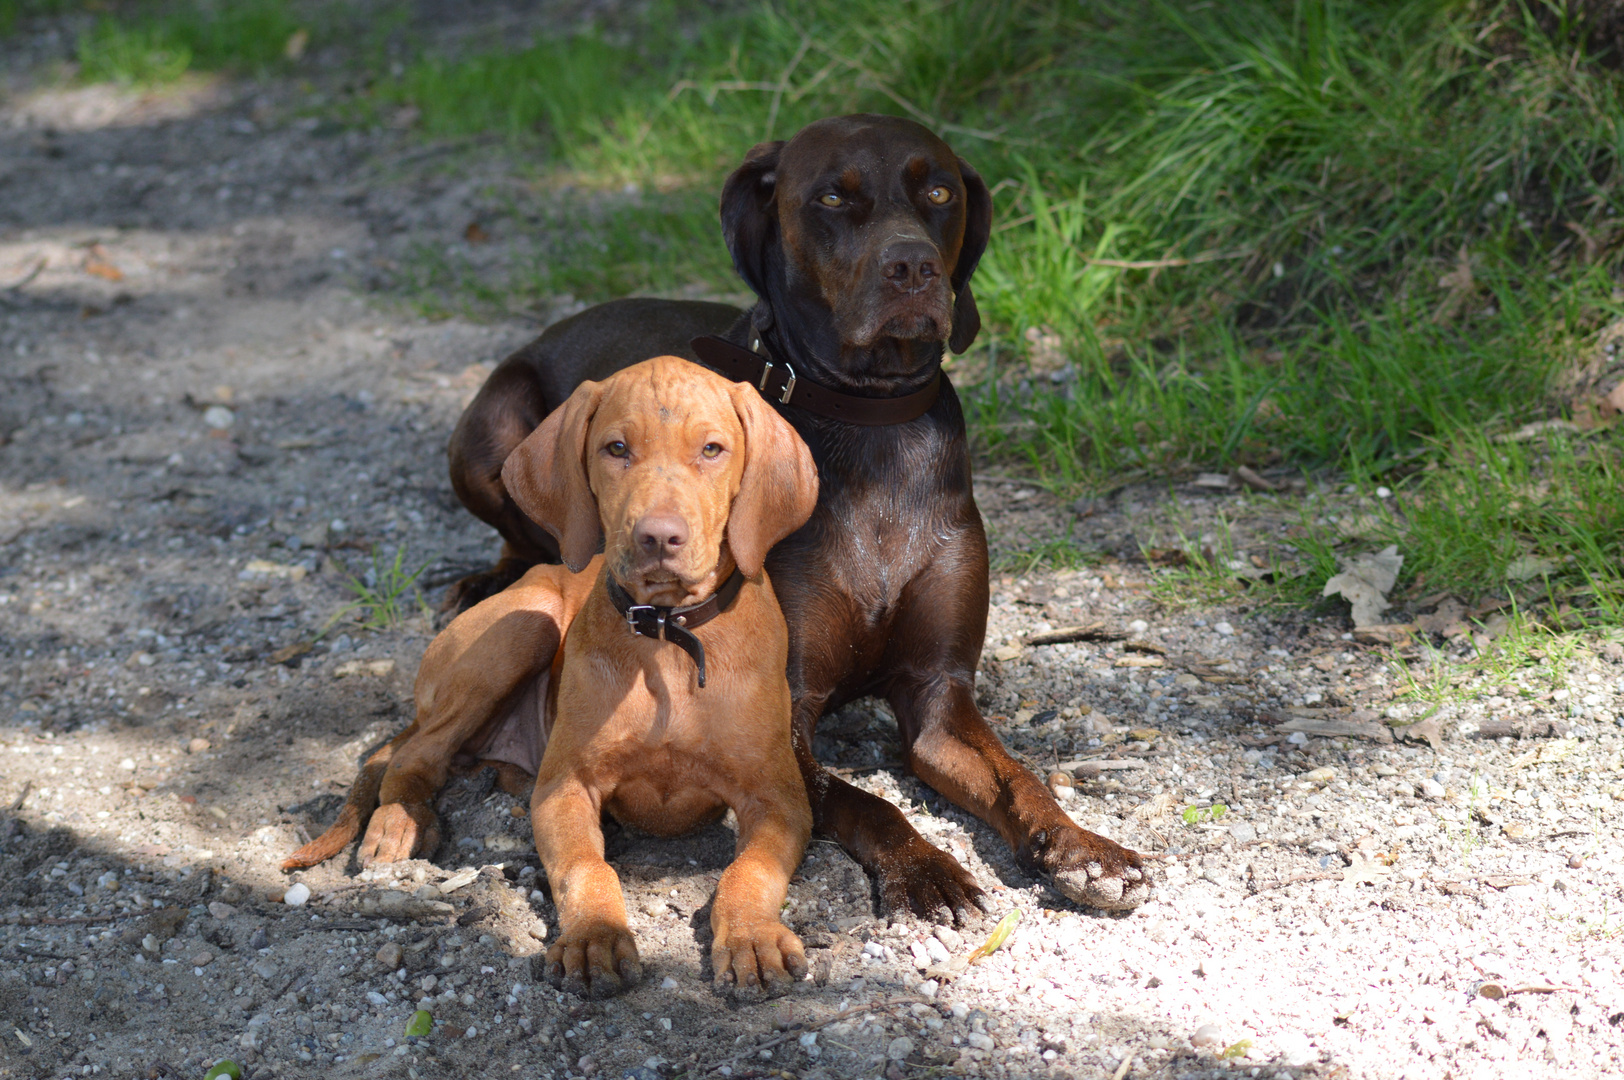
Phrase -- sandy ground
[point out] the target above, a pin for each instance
(213, 407)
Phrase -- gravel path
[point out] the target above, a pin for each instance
(211, 413)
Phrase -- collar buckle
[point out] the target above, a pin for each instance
(646, 620)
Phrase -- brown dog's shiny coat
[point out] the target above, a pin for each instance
(860, 237)
(681, 476)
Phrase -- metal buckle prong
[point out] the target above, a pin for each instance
(766, 372)
(789, 387)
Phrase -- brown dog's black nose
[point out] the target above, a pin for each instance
(658, 534)
(911, 266)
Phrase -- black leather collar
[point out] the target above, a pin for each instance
(778, 383)
(676, 625)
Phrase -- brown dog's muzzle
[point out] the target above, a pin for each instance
(905, 294)
(911, 267)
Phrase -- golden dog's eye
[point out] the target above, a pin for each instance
(832, 200)
(617, 449)
(711, 449)
(939, 195)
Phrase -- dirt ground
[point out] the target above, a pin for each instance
(213, 406)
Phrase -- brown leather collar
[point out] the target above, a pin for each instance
(779, 383)
(675, 624)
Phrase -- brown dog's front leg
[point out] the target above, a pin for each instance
(753, 953)
(910, 873)
(954, 751)
(471, 671)
(594, 954)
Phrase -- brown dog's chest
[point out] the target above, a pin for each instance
(666, 755)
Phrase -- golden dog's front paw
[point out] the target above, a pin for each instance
(761, 960)
(594, 961)
(400, 831)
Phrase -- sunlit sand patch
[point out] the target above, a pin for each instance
(104, 105)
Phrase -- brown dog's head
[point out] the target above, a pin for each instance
(873, 218)
(678, 473)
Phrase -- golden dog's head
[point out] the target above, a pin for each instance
(679, 474)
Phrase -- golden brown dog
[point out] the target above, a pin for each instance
(687, 480)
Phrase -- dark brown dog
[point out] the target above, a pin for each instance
(859, 236)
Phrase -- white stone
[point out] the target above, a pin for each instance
(298, 894)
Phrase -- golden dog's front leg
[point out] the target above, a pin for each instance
(594, 955)
(753, 953)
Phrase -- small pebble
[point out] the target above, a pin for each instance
(899, 1049)
(390, 954)
(1428, 788)
(221, 910)
(1224, 629)
(1206, 1035)
(668, 983)
(296, 896)
(1576, 862)
(979, 1040)
(197, 745)
(202, 959)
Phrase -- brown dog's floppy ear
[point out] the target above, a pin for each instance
(748, 220)
(546, 475)
(779, 488)
(977, 229)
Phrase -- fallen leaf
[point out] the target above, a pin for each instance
(1173, 557)
(1365, 581)
(1615, 397)
(999, 935)
(1384, 634)
(1426, 730)
(1449, 613)
(290, 652)
(1525, 567)
(1363, 871)
(1461, 286)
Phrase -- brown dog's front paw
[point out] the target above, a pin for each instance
(927, 881)
(594, 961)
(1090, 869)
(752, 962)
(400, 831)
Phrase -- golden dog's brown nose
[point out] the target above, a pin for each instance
(659, 534)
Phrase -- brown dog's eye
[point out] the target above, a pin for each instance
(832, 200)
(616, 449)
(711, 449)
(939, 195)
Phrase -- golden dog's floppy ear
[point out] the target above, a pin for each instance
(779, 488)
(546, 475)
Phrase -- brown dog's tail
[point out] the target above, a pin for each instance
(352, 819)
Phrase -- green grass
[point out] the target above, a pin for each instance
(1307, 175)
(153, 43)
(1358, 239)
(385, 595)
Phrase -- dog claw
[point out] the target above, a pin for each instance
(1090, 869)
(595, 962)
